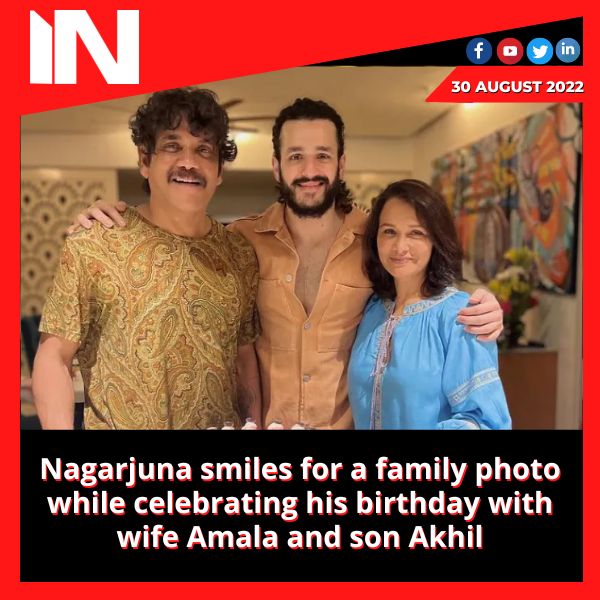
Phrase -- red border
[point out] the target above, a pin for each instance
(229, 41)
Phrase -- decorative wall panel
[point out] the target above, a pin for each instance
(50, 198)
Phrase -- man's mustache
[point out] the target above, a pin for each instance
(188, 174)
(316, 178)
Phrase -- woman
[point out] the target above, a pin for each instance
(412, 365)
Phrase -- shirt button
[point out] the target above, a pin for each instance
(289, 277)
(307, 325)
(306, 378)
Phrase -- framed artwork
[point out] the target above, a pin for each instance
(519, 186)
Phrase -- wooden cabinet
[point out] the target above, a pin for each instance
(529, 380)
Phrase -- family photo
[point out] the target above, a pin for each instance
(316, 248)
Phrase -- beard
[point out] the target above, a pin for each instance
(287, 194)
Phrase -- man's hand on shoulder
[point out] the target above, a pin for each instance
(484, 317)
(107, 214)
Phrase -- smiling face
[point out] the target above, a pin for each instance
(184, 171)
(309, 170)
(403, 243)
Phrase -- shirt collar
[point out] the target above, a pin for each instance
(273, 220)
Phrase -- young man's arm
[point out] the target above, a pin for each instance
(248, 383)
(484, 317)
(53, 392)
(104, 212)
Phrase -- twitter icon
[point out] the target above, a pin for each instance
(539, 51)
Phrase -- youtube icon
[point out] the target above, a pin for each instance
(510, 51)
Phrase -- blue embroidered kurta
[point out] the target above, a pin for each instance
(421, 370)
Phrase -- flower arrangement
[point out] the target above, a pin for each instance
(513, 287)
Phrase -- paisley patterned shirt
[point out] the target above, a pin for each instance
(159, 318)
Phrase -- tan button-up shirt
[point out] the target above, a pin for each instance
(304, 358)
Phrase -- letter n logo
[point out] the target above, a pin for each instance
(63, 48)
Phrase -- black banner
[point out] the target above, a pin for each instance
(452, 53)
(431, 498)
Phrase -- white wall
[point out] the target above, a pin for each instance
(371, 164)
(78, 151)
(116, 151)
(557, 321)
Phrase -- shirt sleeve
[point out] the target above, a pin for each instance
(471, 383)
(65, 312)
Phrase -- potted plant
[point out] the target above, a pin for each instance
(513, 286)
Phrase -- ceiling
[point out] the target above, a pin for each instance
(384, 102)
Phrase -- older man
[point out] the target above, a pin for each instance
(159, 309)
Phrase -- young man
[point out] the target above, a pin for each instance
(158, 308)
(312, 288)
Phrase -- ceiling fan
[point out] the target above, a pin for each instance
(234, 120)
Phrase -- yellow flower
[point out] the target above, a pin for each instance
(511, 255)
(522, 256)
(505, 292)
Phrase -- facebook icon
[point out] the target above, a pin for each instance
(479, 51)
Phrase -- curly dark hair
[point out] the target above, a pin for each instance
(166, 109)
(306, 109)
(445, 264)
